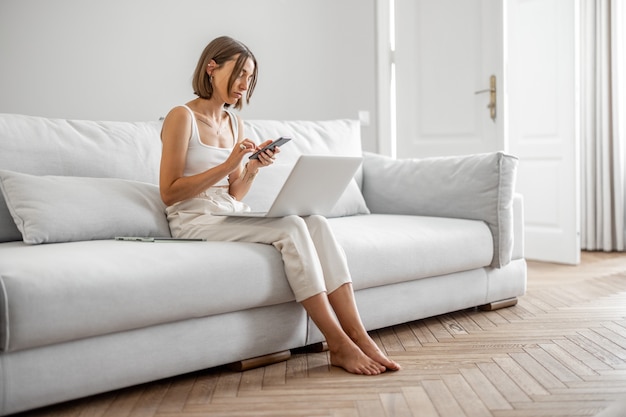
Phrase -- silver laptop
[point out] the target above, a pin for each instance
(313, 186)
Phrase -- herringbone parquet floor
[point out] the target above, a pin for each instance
(560, 352)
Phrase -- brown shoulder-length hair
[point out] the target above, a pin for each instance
(221, 50)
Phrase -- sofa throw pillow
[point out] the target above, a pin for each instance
(50, 208)
(476, 187)
(269, 181)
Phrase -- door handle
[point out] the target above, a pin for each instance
(492, 97)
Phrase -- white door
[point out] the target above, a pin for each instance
(541, 104)
(449, 54)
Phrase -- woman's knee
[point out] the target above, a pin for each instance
(293, 226)
(293, 222)
(316, 218)
(317, 223)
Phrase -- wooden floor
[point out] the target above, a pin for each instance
(560, 352)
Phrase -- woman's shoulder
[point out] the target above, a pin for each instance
(181, 110)
(177, 122)
(179, 114)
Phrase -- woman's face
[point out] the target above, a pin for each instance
(221, 76)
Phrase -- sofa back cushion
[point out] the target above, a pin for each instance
(43, 146)
(331, 137)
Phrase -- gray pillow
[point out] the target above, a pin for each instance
(65, 209)
(476, 187)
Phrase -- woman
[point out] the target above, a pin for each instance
(202, 172)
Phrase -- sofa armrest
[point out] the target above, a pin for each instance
(476, 187)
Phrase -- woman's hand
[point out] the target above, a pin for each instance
(240, 182)
(247, 146)
(240, 150)
(265, 158)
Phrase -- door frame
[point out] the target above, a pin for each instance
(385, 46)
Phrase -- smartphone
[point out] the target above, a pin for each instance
(278, 142)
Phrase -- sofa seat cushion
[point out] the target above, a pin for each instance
(388, 249)
(65, 291)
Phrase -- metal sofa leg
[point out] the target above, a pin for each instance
(496, 305)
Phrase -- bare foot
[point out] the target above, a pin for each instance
(371, 349)
(349, 357)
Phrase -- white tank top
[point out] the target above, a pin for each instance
(201, 157)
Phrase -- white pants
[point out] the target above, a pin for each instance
(314, 261)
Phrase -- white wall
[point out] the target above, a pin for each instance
(133, 59)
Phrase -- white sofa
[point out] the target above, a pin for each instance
(82, 313)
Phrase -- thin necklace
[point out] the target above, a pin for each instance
(219, 127)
